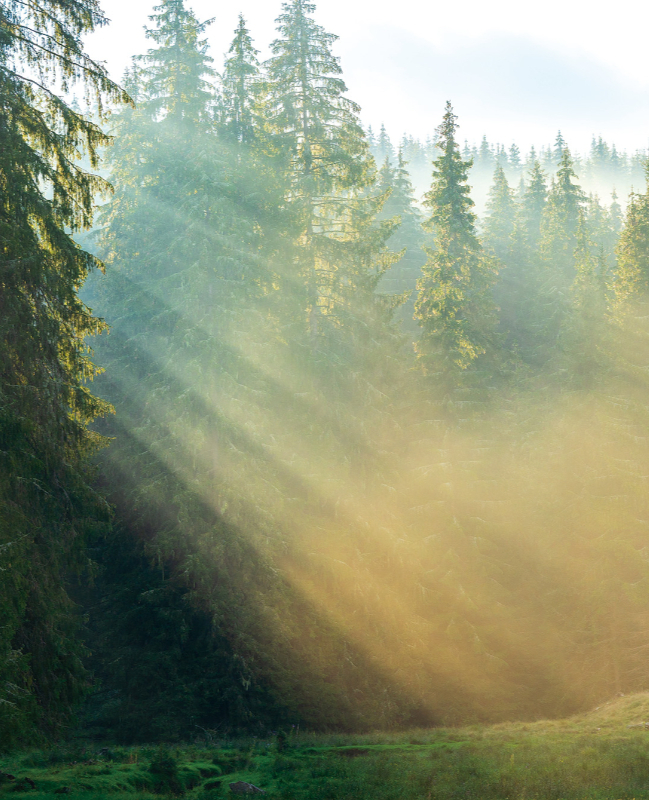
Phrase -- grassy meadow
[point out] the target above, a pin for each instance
(602, 754)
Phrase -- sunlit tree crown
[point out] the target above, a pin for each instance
(453, 304)
(238, 87)
(308, 106)
(175, 71)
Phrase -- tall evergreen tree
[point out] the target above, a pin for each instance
(515, 157)
(501, 214)
(238, 88)
(175, 84)
(329, 171)
(534, 199)
(454, 305)
(586, 329)
(47, 504)
(384, 149)
(559, 147)
(407, 239)
(632, 273)
(561, 220)
(186, 270)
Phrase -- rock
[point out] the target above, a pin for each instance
(638, 725)
(62, 790)
(241, 787)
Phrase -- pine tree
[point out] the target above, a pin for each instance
(586, 329)
(557, 248)
(47, 504)
(185, 298)
(309, 110)
(520, 298)
(560, 222)
(632, 273)
(501, 215)
(238, 89)
(328, 172)
(384, 149)
(515, 157)
(176, 70)
(453, 305)
(485, 157)
(604, 226)
(534, 200)
(559, 147)
(407, 239)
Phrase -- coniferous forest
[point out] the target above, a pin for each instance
(300, 426)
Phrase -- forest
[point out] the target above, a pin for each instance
(302, 428)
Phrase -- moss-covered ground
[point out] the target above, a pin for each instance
(603, 754)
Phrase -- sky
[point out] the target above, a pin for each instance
(514, 71)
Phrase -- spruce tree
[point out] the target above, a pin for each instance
(501, 214)
(407, 239)
(559, 148)
(515, 157)
(520, 300)
(560, 222)
(329, 170)
(311, 114)
(47, 504)
(384, 150)
(632, 273)
(534, 200)
(454, 305)
(586, 329)
(184, 299)
(237, 116)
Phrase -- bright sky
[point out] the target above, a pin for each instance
(513, 70)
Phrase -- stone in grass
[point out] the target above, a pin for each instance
(241, 787)
(62, 790)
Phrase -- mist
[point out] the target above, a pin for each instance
(318, 414)
(399, 503)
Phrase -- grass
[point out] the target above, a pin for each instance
(602, 755)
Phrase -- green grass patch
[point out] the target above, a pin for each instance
(603, 755)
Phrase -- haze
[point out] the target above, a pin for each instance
(513, 71)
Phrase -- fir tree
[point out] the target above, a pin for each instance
(515, 157)
(329, 168)
(453, 304)
(176, 70)
(586, 330)
(501, 214)
(485, 157)
(407, 239)
(632, 273)
(534, 200)
(309, 110)
(238, 88)
(47, 504)
(559, 147)
(560, 221)
(384, 149)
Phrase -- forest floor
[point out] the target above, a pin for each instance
(602, 754)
